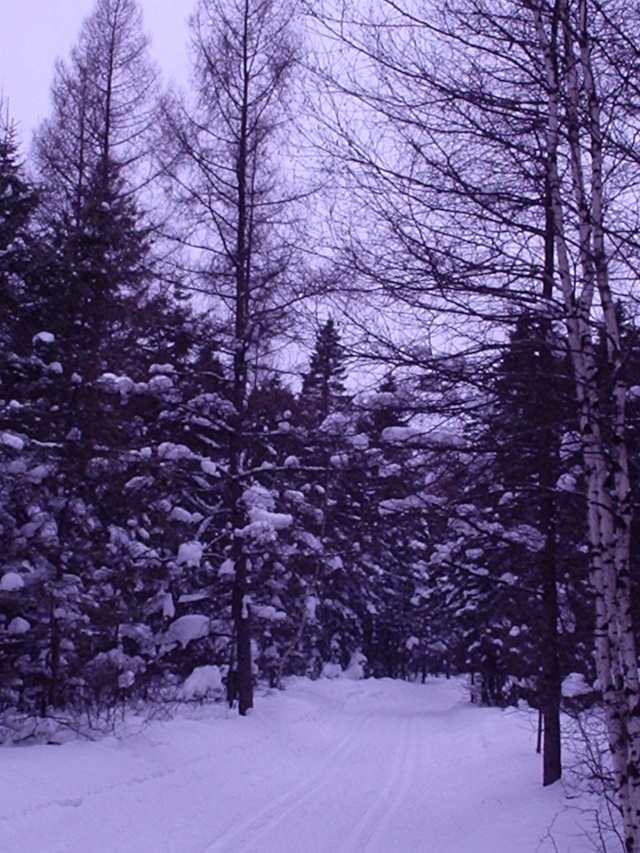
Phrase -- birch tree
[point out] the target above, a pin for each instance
(580, 137)
(506, 178)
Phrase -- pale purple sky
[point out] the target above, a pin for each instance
(33, 33)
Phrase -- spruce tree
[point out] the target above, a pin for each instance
(84, 292)
(323, 391)
(18, 201)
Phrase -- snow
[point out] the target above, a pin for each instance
(170, 451)
(275, 520)
(113, 384)
(168, 606)
(312, 542)
(18, 625)
(11, 440)
(331, 670)
(263, 522)
(575, 684)
(166, 369)
(526, 535)
(160, 384)
(190, 598)
(337, 423)
(392, 506)
(360, 441)
(141, 633)
(227, 569)
(38, 474)
(180, 514)
(203, 681)
(567, 482)
(310, 607)
(355, 670)
(186, 629)
(391, 469)
(332, 766)
(11, 581)
(340, 460)
(268, 612)
(190, 554)
(43, 338)
(258, 497)
(399, 434)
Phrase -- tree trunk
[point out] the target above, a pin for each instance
(242, 625)
(550, 688)
(243, 271)
(549, 665)
(604, 450)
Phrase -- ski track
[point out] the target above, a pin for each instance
(376, 796)
(333, 768)
(396, 777)
(276, 811)
(376, 818)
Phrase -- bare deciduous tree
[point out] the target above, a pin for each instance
(503, 176)
(226, 174)
(104, 108)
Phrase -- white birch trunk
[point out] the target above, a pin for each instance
(604, 449)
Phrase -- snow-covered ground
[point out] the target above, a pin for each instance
(333, 766)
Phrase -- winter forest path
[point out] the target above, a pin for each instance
(326, 767)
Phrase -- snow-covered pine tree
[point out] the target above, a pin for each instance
(83, 292)
(18, 201)
(397, 504)
(20, 582)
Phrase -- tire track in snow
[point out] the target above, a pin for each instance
(277, 810)
(375, 819)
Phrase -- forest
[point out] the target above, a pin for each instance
(329, 363)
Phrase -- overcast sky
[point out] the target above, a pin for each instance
(34, 32)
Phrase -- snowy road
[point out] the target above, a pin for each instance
(327, 767)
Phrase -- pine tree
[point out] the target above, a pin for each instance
(18, 202)
(19, 470)
(323, 391)
(83, 293)
(511, 570)
(396, 514)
